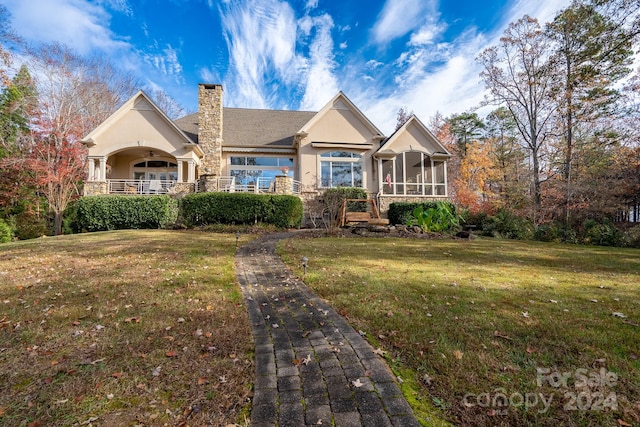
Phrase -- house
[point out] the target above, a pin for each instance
(139, 150)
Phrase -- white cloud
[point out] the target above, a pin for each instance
(399, 17)
(321, 83)
(428, 33)
(343, 45)
(78, 24)
(311, 4)
(431, 76)
(167, 63)
(274, 57)
(253, 55)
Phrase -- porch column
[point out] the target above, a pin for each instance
(103, 168)
(191, 171)
(92, 169)
(180, 177)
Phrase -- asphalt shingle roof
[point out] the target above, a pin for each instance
(243, 127)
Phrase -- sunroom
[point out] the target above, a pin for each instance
(411, 165)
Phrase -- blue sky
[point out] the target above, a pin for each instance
(296, 54)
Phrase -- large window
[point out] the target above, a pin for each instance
(247, 170)
(414, 174)
(340, 169)
(155, 169)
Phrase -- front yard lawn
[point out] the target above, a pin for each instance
(123, 328)
(492, 332)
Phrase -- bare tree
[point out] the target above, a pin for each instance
(168, 104)
(518, 75)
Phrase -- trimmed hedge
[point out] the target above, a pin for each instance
(241, 208)
(402, 212)
(101, 213)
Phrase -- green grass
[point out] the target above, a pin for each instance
(86, 320)
(479, 317)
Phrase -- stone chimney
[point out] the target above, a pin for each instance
(210, 128)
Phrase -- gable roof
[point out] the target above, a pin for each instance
(341, 101)
(244, 127)
(439, 151)
(139, 100)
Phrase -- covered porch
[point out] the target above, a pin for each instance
(141, 170)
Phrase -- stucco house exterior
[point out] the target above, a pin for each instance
(139, 150)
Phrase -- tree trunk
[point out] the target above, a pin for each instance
(57, 223)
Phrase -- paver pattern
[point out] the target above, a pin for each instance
(312, 367)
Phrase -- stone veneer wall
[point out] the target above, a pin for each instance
(95, 188)
(210, 128)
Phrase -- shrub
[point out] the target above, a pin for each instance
(241, 208)
(555, 232)
(5, 232)
(70, 219)
(100, 213)
(402, 212)
(438, 219)
(507, 225)
(631, 237)
(602, 234)
(29, 225)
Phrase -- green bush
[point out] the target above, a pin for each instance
(5, 232)
(631, 237)
(70, 219)
(100, 213)
(602, 234)
(241, 208)
(507, 225)
(555, 232)
(402, 212)
(29, 226)
(439, 219)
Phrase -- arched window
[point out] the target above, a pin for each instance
(412, 173)
(340, 169)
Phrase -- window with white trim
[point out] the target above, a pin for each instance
(412, 173)
(340, 169)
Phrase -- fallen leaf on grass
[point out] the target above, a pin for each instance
(622, 422)
(458, 354)
(132, 320)
(171, 353)
(202, 381)
(618, 314)
(116, 374)
(379, 351)
(530, 350)
(525, 314)
(156, 371)
(3, 409)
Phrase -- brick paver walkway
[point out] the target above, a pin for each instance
(312, 367)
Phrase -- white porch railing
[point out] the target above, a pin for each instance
(139, 186)
(262, 185)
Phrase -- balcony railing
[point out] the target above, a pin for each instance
(227, 184)
(261, 185)
(140, 186)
